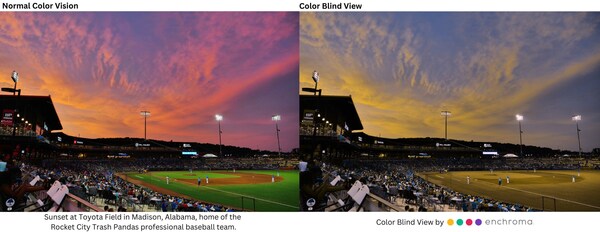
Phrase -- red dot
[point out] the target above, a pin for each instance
(469, 222)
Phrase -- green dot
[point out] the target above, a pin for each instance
(459, 222)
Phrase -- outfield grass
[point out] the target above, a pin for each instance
(278, 196)
(528, 187)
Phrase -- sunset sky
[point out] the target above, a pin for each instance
(403, 69)
(102, 69)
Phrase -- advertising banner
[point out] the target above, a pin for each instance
(7, 117)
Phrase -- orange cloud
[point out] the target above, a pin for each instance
(101, 69)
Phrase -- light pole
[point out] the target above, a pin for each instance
(145, 114)
(276, 118)
(446, 113)
(15, 77)
(219, 118)
(315, 78)
(520, 118)
(577, 118)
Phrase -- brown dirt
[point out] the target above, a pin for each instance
(153, 187)
(243, 178)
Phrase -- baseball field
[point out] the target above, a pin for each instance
(548, 189)
(255, 190)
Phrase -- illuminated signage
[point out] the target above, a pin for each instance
(309, 115)
(490, 153)
(7, 117)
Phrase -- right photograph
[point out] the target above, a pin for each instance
(449, 112)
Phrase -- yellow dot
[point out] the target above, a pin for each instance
(450, 222)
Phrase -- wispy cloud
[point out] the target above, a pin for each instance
(101, 69)
(402, 69)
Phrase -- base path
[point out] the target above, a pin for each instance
(242, 178)
(153, 187)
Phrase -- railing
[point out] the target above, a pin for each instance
(377, 204)
(72, 203)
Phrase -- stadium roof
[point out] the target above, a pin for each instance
(38, 109)
(339, 108)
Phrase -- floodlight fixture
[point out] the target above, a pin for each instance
(519, 117)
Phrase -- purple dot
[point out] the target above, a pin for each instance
(478, 222)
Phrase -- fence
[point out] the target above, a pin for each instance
(548, 207)
(250, 202)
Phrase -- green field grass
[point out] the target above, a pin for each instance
(274, 197)
(547, 190)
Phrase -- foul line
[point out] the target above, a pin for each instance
(543, 195)
(242, 195)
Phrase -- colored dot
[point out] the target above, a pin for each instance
(450, 222)
(478, 222)
(459, 222)
(469, 222)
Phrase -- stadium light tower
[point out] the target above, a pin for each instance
(219, 118)
(446, 113)
(520, 118)
(276, 118)
(577, 118)
(15, 77)
(145, 114)
(315, 77)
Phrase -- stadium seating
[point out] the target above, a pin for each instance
(55, 196)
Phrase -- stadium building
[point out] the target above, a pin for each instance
(26, 123)
(326, 126)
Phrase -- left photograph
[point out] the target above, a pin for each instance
(149, 112)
